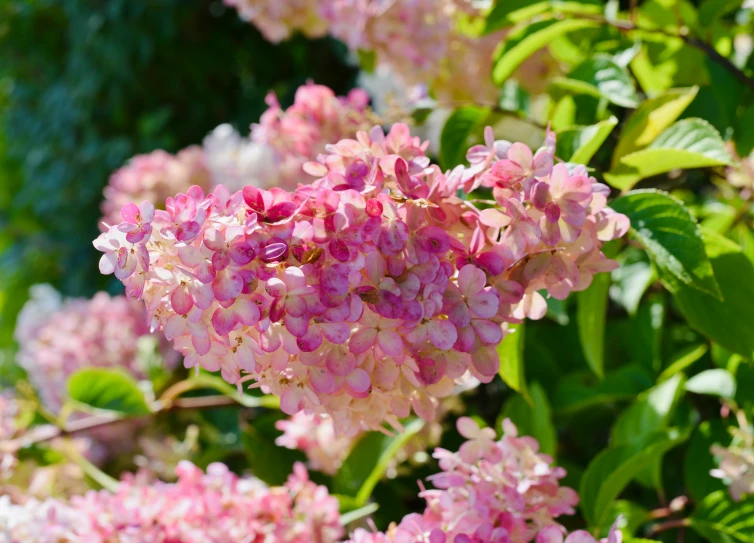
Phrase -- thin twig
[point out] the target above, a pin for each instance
(669, 525)
(41, 434)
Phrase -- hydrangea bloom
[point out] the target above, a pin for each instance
(153, 178)
(301, 132)
(489, 491)
(58, 336)
(278, 20)
(235, 161)
(216, 507)
(371, 290)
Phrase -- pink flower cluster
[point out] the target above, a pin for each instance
(371, 290)
(153, 177)
(418, 40)
(58, 336)
(301, 132)
(9, 413)
(315, 436)
(216, 507)
(488, 492)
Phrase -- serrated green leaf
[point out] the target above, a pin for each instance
(109, 390)
(671, 237)
(455, 133)
(591, 312)
(716, 382)
(649, 120)
(601, 77)
(721, 520)
(611, 471)
(527, 39)
(690, 143)
(511, 351)
(580, 143)
(727, 322)
(533, 419)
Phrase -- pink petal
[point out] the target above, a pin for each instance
(467, 427)
(214, 239)
(223, 321)
(493, 218)
(488, 332)
(471, 280)
(246, 312)
(202, 294)
(227, 285)
(540, 195)
(340, 365)
(363, 340)
(292, 400)
(580, 536)
(336, 332)
(107, 263)
(521, 154)
(572, 212)
(147, 211)
(550, 232)
(442, 334)
(322, 381)
(181, 300)
(130, 213)
(358, 381)
(200, 339)
(174, 327)
(298, 326)
(310, 341)
(390, 342)
(486, 361)
(550, 534)
(484, 304)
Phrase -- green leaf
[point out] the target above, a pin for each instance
(508, 12)
(367, 60)
(632, 279)
(461, 124)
(524, 41)
(601, 77)
(717, 382)
(699, 460)
(357, 514)
(690, 143)
(744, 132)
(511, 351)
(611, 471)
(107, 389)
(591, 312)
(721, 520)
(268, 462)
(574, 394)
(533, 419)
(578, 144)
(369, 460)
(651, 412)
(729, 322)
(671, 237)
(682, 360)
(651, 117)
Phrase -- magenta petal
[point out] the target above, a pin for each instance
(540, 195)
(458, 314)
(466, 339)
(550, 534)
(358, 381)
(339, 250)
(181, 300)
(220, 260)
(336, 332)
(223, 321)
(442, 334)
(187, 231)
(550, 232)
(202, 294)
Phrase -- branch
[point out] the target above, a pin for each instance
(40, 434)
(706, 48)
(669, 525)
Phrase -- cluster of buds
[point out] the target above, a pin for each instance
(372, 289)
(216, 507)
(58, 336)
(488, 492)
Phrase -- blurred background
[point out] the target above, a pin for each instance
(86, 85)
